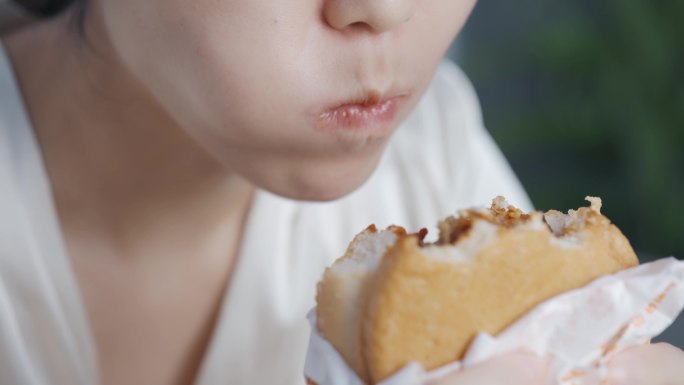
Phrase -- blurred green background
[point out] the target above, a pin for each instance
(587, 98)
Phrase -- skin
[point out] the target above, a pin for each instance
(511, 369)
(656, 364)
(158, 126)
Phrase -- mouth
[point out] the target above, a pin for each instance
(372, 113)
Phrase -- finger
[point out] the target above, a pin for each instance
(510, 369)
(657, 364)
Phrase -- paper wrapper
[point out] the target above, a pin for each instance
(580, 330)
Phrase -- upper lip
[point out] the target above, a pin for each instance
(368, 98)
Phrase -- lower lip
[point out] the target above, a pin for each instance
(376, 118)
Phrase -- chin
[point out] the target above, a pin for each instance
(321, 182)
(321, 191)
(322, 194)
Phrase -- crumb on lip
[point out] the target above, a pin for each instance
(369, 98)
(372, 97)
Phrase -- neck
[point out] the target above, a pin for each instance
(119, 166)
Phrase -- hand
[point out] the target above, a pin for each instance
(509, 369)
(657, 364)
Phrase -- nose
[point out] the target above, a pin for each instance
(378, 15)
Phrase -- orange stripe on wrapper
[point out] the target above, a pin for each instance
(659, 299)
(573, 375)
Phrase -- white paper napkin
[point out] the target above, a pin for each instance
(580, 329)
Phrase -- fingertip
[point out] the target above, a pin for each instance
(645, 364)
(519, 368)
(526, 359)
(625, 367)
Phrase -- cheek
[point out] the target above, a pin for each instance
(190, 57)
(224, 68)
(431, 32)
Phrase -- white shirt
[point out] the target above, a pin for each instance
(441, 159)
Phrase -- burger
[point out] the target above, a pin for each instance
(394, 298)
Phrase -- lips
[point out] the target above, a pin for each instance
(373, 113)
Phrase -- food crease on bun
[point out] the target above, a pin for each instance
(393, 298)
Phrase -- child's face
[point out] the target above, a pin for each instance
(256, 82)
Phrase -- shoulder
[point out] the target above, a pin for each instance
(448, 109)
(447, 141)
(453, 89)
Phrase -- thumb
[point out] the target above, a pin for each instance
(509, 369)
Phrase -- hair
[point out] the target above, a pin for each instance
(79, 14)
(47, 8)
